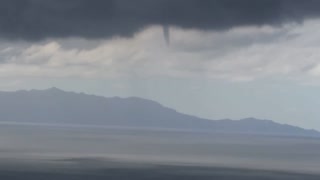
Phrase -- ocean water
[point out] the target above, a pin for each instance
(78, 151)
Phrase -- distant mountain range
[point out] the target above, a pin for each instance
(55, 106)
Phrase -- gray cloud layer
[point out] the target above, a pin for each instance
(38, 19)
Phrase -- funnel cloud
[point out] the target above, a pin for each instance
(166, 34)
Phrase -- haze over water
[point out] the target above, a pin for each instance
(49, 143)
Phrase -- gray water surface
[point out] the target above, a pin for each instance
(54, 143)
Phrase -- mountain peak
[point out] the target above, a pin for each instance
(53, 89)
(252, 119)
(54, 105)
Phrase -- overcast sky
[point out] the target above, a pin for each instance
(211, 58)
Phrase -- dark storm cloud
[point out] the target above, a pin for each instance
(38, 19)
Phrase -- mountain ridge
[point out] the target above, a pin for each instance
(54, 105)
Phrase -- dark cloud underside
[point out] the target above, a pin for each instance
(37, 19)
